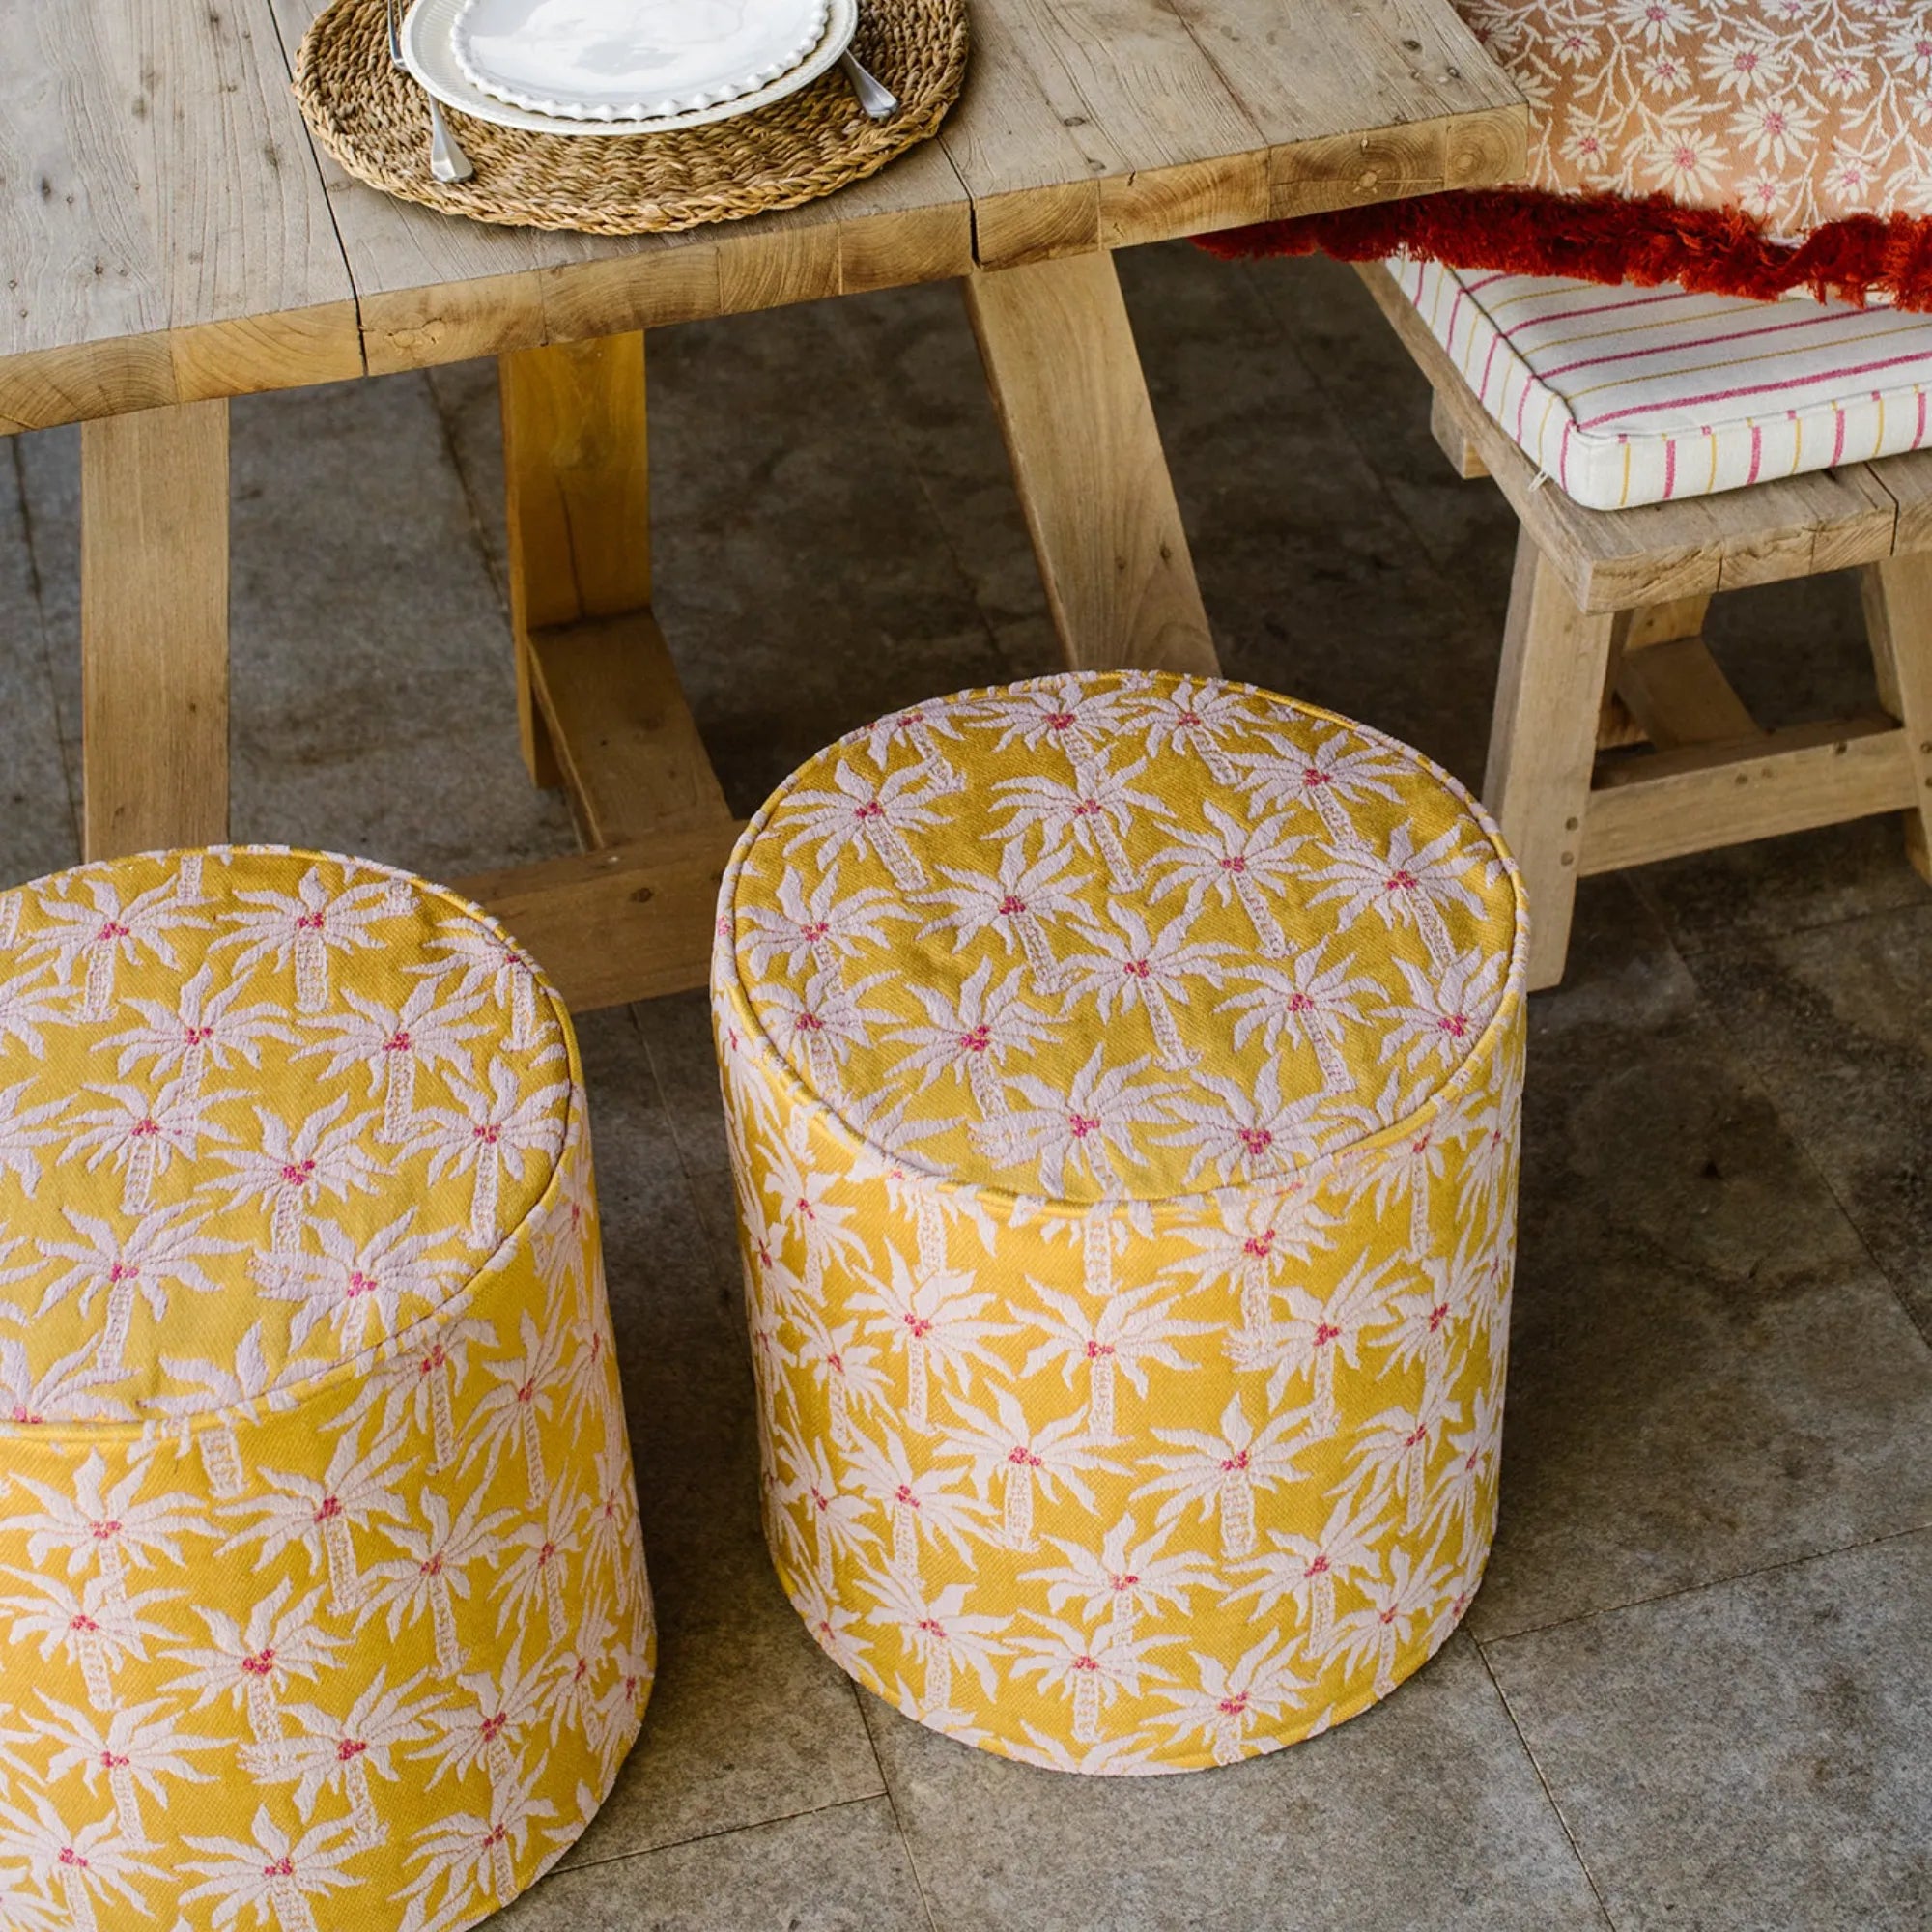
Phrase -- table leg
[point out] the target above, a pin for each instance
(598, 705)
(154, 629)
(1072, 404)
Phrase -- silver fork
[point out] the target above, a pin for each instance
(447, 162)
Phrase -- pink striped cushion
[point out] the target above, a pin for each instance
(1633, 395)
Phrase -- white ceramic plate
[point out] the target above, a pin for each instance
(429, 53)
(631, 60)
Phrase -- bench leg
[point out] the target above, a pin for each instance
(1898, 617)
(154, 629)
(1543, 744)
(1072, 404)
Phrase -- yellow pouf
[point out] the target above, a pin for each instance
(320, 1585)
(1123, 1075)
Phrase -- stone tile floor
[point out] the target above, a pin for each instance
(1696, 1688)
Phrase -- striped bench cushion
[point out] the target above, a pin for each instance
(1632, 395)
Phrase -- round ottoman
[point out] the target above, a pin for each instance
(322, 1595)
(1123, 1078)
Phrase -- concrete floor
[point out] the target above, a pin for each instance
(1696, 1688)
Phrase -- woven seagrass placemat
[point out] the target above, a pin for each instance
(373, 120)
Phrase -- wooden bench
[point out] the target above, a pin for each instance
(1603, 652)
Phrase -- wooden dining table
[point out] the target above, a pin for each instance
(170, 238)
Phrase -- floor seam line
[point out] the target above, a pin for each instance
(711, 1838)
(1488, 1643)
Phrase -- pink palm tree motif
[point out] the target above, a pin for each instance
(1111, 1758)
(354, 1492)
(26, 1006)
(1234, 863)
(341, 1754)
(1302, 1001)
(1093, 814)
(1404, 1169)
(1222, 1474)
(865, 815)
(69, 1389)
(22, 1130)
(1341, 770)
(416, 1386)
(289, 1174)
(474, 1858)
(96, 937)
(621, 1707)
(938, 1629)
(1123, 1579)
(1132, 1330)
(486, 1726)
(132, 1749)
(818, 928)
(572, 1214)
(87, 1866)
(829, 1623)
(20, 1911)
(487, 1135)
(1225, 1704)
(1391, 1453)
(968, 1034)
(1446, 1012)
(1077, 1128)
(1421, 1320)
(533, 1556)
(1028, 1460)
(358, 1291)
(1132, 966)
(248, 1665)
(1398, 1599)
(937, 1319)
(838, 1515)
(434, 1568)
(164, 1249)
(1307, 1568)
(1489, 1168)
(1255, 1236)
(95, 1630)
(303, 928)
(613, 1539)
(1252, 1134)
(805, 1198)
(573, 1707)
(847, 1368)
(100, 1524)
(819, 1026)
(918, 1502)
(211, 1386)
(1018, 901)
(1466, 1496)
(922, 728)
(206, 1027)
(274, 1877)
(431, 1027)
(487, 964)
(1197, 717)
(1404, 886)
(1317, 1331)
(140, 1133)
(1094, 1671)
(1078, 717)
(516, 1409)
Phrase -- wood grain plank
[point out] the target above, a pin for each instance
(1708, 795)
(1898, 599)
(164, 235)
(1543, 745)
(622, 732)
(1679, 696)
(632, 924)
(1072, 404)
(153, 635)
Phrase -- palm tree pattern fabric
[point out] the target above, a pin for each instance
(322, 1592)
(1122, 1079)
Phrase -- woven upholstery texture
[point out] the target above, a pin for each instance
(1631, 395)
(1123, 1076)
(321, 1593)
